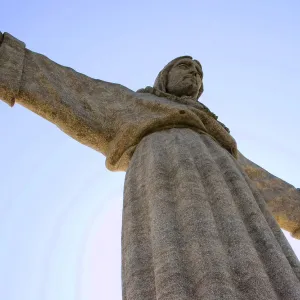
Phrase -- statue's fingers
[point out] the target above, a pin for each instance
(296, 234)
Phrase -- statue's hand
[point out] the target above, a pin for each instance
(296, 234)
(12, 53)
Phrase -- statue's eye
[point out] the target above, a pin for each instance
(183, 66)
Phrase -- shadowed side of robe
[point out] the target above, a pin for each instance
(196, 227)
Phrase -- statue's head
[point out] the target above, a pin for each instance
(181, 77)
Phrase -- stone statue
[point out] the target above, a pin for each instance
(199, 219)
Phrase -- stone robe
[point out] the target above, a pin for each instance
(195, 226)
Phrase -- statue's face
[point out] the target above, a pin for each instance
(185, 78)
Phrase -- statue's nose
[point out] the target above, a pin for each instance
(194, 72)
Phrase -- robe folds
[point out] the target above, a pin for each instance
(199, 220)
(196, 227)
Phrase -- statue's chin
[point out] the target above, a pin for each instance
(184, 94)
(188, 90)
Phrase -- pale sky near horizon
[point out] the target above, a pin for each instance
(60, 209)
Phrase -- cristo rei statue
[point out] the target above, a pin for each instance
(200, 221)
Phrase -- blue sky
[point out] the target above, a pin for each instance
(60, 209)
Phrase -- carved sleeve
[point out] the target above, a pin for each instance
(87, 109)
(282, 198)
(107, 117)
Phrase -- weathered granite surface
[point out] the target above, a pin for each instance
(195, 226)
(283, 199)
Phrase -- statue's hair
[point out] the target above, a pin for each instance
(161, 80)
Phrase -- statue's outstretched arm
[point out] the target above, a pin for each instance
(89, 110)
(282, 198)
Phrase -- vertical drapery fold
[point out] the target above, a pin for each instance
(194, 227)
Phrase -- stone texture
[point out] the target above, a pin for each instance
(282, 198)
(105, 116)
(12, 53)
(195, 226)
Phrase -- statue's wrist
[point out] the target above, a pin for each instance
(296, 234)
